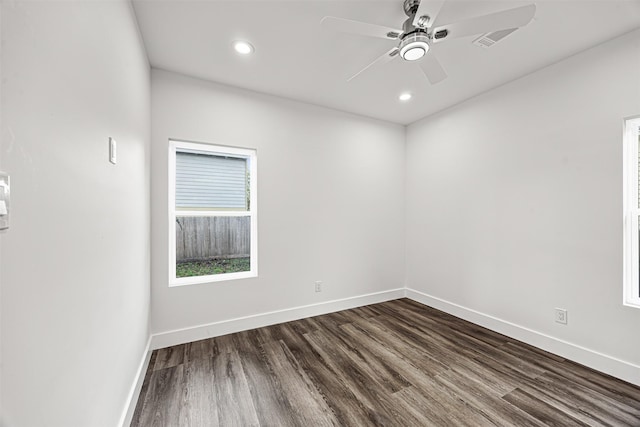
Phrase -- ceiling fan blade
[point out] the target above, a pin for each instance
(511, 18)
(361, 28)
(432, 69)
(386, 57)
(427, 12)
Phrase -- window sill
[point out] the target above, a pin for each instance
(198, 280)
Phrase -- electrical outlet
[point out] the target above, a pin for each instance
(318, 285)
(561, 316)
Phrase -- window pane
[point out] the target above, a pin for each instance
(207, 245)
(631, 215)
(208, 181)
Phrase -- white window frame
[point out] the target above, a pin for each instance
(221, 150)
(631, 213)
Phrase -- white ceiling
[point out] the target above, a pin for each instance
(296, 58)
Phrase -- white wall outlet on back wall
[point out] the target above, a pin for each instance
(318, 284)
(561, 316)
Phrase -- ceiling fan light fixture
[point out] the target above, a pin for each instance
(413, 53)
(414, 46)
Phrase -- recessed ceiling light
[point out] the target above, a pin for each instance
(242, 47)
(405, 96)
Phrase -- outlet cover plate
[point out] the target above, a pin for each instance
(561, 316)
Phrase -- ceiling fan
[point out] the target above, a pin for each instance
(419, 32)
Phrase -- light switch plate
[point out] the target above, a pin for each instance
(5, 200)
(112, 150)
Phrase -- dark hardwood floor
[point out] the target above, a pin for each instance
(398, 363)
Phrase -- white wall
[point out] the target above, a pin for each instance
(514, 201)
(330, 200)
(1, 352)
(75, 262)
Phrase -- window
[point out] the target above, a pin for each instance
(632, 212)
(212, 213)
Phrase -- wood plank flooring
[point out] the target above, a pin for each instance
(398, 363)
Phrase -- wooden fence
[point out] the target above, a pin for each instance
(201, 238)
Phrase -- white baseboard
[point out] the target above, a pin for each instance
(601, 362)
(134, 393)
(200, 332)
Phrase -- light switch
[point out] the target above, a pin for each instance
(112, 150)
(5, 200)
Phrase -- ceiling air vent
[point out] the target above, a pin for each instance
(489, 39)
